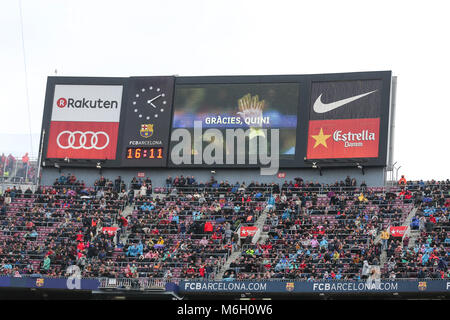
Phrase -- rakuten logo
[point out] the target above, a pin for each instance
(62, 102)
(96, 103)
(88, 104)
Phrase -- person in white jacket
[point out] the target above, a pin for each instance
(143, 191)
(365, 270)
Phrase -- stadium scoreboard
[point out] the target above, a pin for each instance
(331, 119)
(144, 153)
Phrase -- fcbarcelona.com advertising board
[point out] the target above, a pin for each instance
(85, 122)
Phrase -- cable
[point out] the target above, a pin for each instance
(26, 78)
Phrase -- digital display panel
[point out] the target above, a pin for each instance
(144, 153)
(255, 108)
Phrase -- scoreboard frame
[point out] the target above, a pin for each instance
(299, 160)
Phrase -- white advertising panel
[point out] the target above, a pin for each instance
(87, 103)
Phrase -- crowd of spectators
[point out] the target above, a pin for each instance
(17, 170)
(188, 229)
(320, 231)
(427, 257)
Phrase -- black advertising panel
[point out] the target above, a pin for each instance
(344, 119)
(148, 113)
(352, 99)
(230, 106)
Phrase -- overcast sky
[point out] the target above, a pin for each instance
(212, 37)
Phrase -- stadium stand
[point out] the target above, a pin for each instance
(189, 230)
(427, 256)
(18, 171)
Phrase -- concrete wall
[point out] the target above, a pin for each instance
(372, 177)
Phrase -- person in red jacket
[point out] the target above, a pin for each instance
(208, 227)
(124, 222)
(402, 180)
(190, 271)
(80, 246)
(202, 271)
(433, 219)
(215, 236)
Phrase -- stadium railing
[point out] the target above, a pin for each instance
(142, 283)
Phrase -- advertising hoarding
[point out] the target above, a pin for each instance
(330, 119)
(85, 122)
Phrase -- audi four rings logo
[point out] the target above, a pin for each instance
(81, 140)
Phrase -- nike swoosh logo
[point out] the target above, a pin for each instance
(321, 107)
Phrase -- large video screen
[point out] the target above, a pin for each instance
(254, 108)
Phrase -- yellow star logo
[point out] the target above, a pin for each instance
(321, 138)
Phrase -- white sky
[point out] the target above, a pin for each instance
(215, 37)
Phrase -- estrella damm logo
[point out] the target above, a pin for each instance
(146, 130)
(39, 282)
(422, 286)
(290, 286)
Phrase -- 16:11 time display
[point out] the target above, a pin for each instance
(144, 153)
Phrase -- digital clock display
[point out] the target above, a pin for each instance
(144, 153)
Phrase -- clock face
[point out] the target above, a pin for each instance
(149, 103)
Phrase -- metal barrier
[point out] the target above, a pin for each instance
(133, 283)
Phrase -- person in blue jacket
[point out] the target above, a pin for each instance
(132, 251)
(415, 223)
(140, 249)
(324, 243)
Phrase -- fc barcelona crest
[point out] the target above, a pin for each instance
(39, 282)
(290, 286)
(422, 286)
(146, 130)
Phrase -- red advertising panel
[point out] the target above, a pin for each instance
(248, 231)
(82, 140)
(344, 138)
(110, 230)
(281, 175)
(398, 231)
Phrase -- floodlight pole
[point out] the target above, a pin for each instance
(396, 173)
(40, 158)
